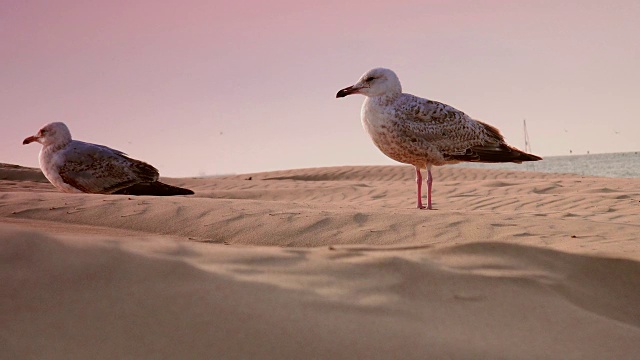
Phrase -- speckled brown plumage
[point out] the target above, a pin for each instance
(98, 169)
(422, 132)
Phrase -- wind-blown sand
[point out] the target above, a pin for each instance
(323, 263)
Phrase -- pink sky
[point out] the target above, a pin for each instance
(211, 87)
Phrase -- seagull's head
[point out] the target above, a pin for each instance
(375, 82)
(54, 133)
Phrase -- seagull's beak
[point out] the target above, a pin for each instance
(347, 91)
(29, 140)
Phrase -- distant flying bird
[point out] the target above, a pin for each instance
(74, 166)
(423, 132)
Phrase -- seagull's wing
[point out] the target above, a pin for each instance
(101, 170)
(453, 134)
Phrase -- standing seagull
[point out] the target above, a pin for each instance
(423, 132)
(74, 166)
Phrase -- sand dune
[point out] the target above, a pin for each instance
(324, 263)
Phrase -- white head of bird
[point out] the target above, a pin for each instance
(375, 82)
(56, 133)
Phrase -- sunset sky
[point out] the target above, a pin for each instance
(214, 87)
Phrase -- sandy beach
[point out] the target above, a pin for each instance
(326, 263)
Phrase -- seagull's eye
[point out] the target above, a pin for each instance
(369, 79)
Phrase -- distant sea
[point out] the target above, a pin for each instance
(616, 165)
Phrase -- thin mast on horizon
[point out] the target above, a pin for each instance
(527, 142)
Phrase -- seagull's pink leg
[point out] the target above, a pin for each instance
(429, 182)
(419, 182)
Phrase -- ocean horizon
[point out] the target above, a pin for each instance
(614, 165)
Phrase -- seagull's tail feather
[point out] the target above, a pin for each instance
(504, 153)
(499, 153)
(155, 188)
(523, 156)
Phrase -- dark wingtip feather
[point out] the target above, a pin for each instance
(154, 189)
(521, 156)
(529, 157)
(494, 154)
